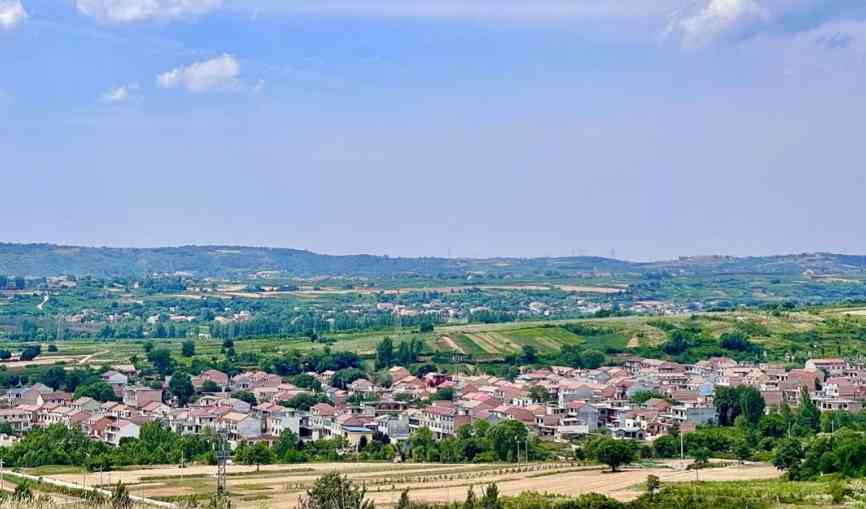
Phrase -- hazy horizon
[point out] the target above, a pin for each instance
(359, 253)
(436, 127)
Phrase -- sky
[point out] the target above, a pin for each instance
(474, 128)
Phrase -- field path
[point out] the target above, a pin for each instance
(86, 359)
(451, 344)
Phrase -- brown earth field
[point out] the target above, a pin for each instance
(279, 486)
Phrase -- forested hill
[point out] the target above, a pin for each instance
(41, 260)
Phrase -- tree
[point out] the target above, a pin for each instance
(5, 355)
(593, 359)
(55, 377)
(210, 386)
(443, 394)
(344, 377)
(258, 454)
(641, 397)
(539, 394)
(667, 446)
(701, 456)
(120, 498)
(181, 387)
(333, 491)
(789, 454)
(187, 348)
(470, 501)
(246, 396)
(161, 360)
(100, 391)
(385, 353)
(727, 403)
(23, 493)
(611, 452)
(30, 352)
(20, 283)
(530, 354)
(490, 500)
(752, 405)
(506, 437)
(808, 415)
(742, 451)
(306, 381)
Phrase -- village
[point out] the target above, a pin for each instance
(641, 399)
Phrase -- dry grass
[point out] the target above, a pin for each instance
(438, 483)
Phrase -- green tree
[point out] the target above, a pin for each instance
(23, 493)
(470, 502)
(181, 387)
(258, 454)
(752, 405)
(246, 396)
(120, 498)
(443, 394)
(727, 403)
(789, 454)
(305, 401)
(667, 446)
(701, 456)
(506, 437)
(306, 381)
(161, 360)
(187, 348)
(611, 452)
(385, 353)
(742, 450)
(55, 377)
(100, 391)
(539, 394)
(530, 354)
(808, 415)
(490, 500)
(30, 352)
(333, 491)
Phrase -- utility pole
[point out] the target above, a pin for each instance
(222, 459)
(2, 483)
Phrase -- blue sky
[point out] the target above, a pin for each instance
(429, 127)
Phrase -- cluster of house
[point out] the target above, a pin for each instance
(573, 402)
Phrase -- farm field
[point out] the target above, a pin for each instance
(827, 330)
(279, 486)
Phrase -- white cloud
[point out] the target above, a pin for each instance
(12, 13)
(119, 94)
(138, 10)
(718, 19)
(218, 73)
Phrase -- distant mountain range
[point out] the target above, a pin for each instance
(42, 260)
